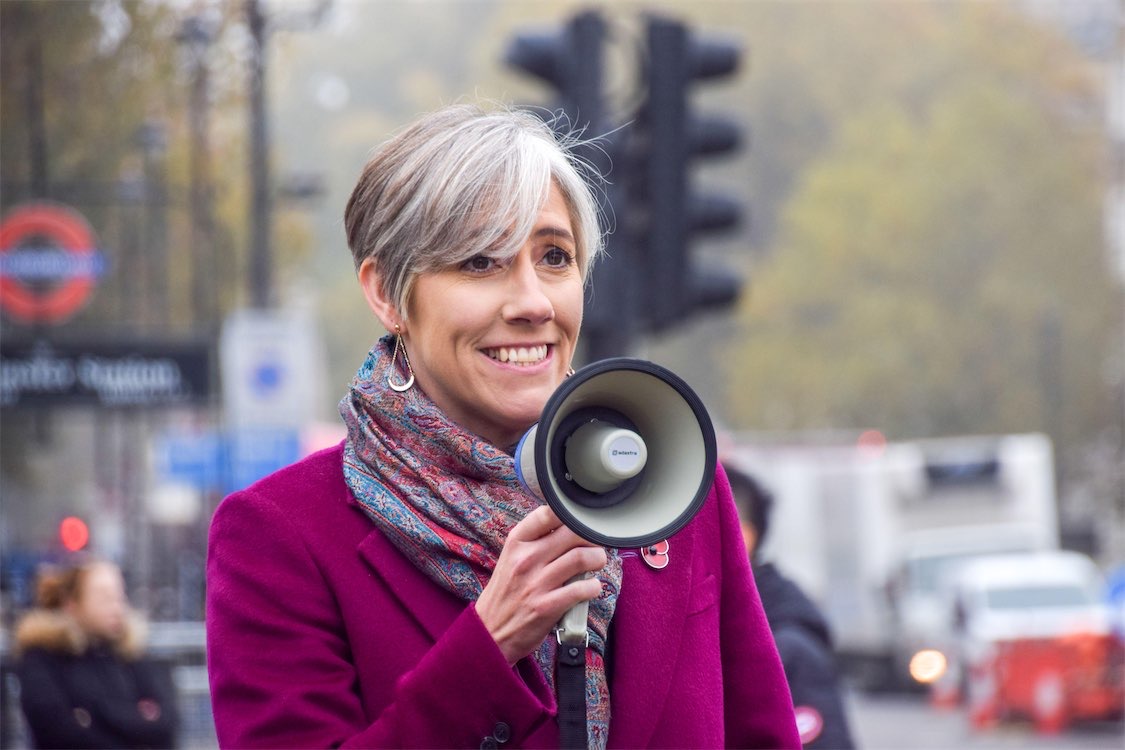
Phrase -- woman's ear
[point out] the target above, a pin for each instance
(372, 284)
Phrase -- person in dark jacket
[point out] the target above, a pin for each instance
(83, 680)
(803, 638)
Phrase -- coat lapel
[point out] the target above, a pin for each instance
(431, 606)
(648, 628)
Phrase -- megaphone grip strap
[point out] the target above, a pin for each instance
(571, 684)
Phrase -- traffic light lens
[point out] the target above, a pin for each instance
(74, 533)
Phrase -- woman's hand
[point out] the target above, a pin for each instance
(531, 588)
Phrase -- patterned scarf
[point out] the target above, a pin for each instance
(447, 499)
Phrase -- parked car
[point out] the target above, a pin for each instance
(1034, 638)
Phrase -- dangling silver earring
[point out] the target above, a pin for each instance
(569, 371)
(399, 387)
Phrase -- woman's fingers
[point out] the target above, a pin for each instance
(542, 572)
(542, 524)
(536, 524)
(576, 562)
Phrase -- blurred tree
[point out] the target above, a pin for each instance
(85, 102)
(941, 155)
(62, 64)
(96, 103)
(99, 100)
(939, 270)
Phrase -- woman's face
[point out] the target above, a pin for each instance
(101, 605)
(490, 340)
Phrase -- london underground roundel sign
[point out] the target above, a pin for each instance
(48, 262)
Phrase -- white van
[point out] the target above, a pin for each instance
(1034, 638)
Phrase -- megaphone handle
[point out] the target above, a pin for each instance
(573, 641)
(572, 625)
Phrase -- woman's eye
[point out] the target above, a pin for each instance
(556, 257)
(479, 263)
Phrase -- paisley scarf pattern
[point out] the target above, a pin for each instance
(447, 499)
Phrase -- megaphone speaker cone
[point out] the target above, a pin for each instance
(599, 455)
(665, 461)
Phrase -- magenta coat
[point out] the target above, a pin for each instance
(321, 634)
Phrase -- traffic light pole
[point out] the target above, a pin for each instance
(663, 188)
(672, 137)
(571, 60)
(609, 323)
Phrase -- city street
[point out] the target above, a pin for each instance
(908, 722)
(880, 721)
(319, 318)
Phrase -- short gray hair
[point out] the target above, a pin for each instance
(462, 181)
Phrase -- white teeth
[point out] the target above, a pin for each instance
(523, 355)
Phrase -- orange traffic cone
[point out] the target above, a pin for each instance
(1049, 703)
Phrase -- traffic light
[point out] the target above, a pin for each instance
(571, 60)
(670, 137)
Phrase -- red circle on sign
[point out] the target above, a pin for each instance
(68, 230)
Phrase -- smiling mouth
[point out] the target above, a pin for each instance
(518, 355)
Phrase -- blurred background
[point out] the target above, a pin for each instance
(885, 242)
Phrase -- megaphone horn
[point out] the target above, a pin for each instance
(624, 453)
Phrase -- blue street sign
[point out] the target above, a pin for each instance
(194, 458)
(225, 462)
(252, 453)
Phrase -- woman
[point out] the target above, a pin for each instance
(400, 590)
(83, 682)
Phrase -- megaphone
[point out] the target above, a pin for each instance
(624, 453)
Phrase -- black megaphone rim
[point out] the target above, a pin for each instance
(542, 450)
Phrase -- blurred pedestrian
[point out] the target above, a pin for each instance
(84, 679)
(800, 629)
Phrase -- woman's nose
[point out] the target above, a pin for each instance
(527, 298)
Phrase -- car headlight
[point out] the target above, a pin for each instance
(928, 665)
